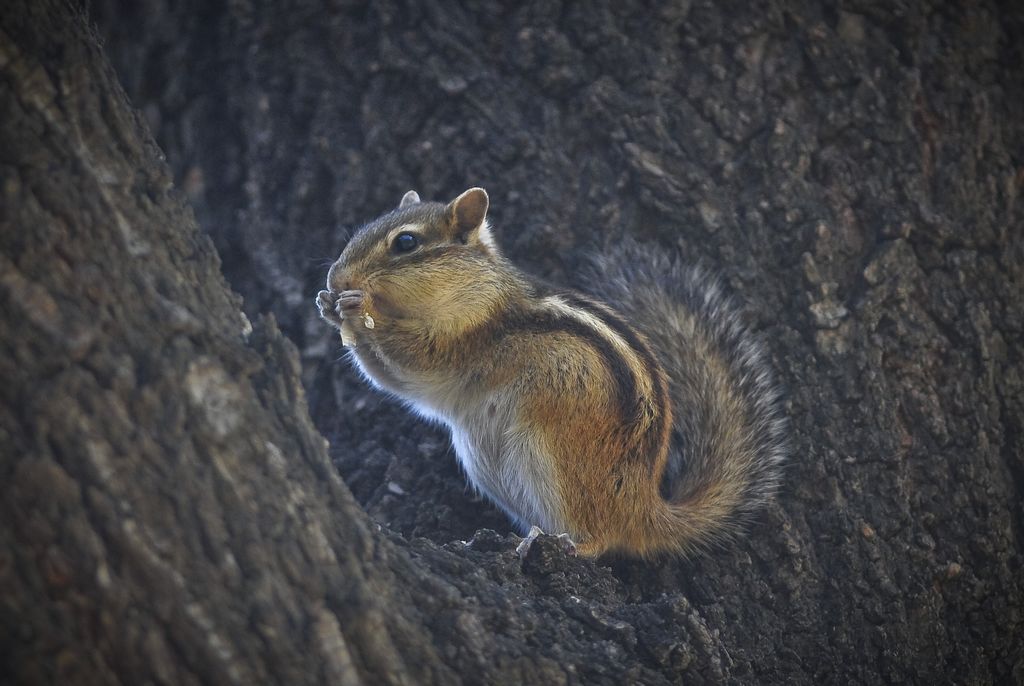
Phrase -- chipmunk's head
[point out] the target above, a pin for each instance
(422, 260)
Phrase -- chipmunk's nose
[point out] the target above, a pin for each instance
(338, 279)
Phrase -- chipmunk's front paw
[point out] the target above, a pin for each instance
(353, 306)
(350, 304)
(327, 304)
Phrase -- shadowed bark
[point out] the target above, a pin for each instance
(169, 513)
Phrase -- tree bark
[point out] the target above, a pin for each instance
(170, 514)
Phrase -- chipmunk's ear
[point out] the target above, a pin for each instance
(410, 198)
(468, 214)
(469, 209)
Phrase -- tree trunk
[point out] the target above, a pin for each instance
(171, 515)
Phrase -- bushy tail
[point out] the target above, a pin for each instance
(729, 434)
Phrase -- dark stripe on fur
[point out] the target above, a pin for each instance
(617, 324)
(626, 396)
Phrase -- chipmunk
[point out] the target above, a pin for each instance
(639, 419)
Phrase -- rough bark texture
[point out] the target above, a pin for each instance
(169, 513)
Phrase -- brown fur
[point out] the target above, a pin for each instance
(457, 324)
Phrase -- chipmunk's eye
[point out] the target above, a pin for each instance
(404, 242)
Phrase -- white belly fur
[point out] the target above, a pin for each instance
(500, 458)
(507, 466)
